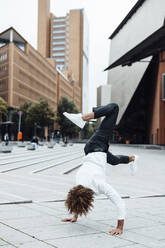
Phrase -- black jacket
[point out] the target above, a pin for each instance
(99, 142)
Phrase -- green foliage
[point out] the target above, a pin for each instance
(24, 109)
(67, 128)
(88, 130)
(3, 107)
(40, 113)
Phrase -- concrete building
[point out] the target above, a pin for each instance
(65, 39)
(136, 73)
(26, 76)
(103, 95)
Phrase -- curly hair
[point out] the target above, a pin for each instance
(79, 200)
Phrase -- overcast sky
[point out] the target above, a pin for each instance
(103, 17)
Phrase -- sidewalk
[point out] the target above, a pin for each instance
(144, 146)
(39, 181)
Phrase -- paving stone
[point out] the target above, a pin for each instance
(42, 208)
(141, 239)
(96, 225)
(14, 236)
(136, 223)
(2, 243)
(37, 244)
(155, 218)
(135, 246)
(95, 240)
(19, 213)
(38, 221)
(157, 232)
(60, 231)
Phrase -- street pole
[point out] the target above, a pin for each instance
(19, 123)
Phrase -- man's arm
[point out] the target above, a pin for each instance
(115, 198)
(118, 159)
(112, 159)
(73, 219)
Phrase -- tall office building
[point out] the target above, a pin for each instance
(68, 45)
(44, 27)
(59, 40)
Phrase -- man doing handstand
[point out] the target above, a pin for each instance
(91, 177)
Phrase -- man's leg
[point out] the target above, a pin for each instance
(107, 110)
(105, 130)
(99, 142)
(110, 111)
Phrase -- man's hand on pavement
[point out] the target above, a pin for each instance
(69, 220)
(116, 231)
(73, 219)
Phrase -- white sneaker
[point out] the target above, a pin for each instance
(76, 119)
(134, 165)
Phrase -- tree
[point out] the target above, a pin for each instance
(67, 128)
(40, 113)
(34, 116)
(3, 108)
(24, 109)
(88, 130)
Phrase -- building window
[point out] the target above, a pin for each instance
(59, 32)
(58, 37)
(60, 67)
(58, 48)
(60, 60)
(3, 57)
(58, 42)
(3, 84)
(59, 54)
(59, 26)
(20, 45)
(3, 68)
(59, 20)
(3, 43)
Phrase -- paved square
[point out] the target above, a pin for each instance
(34, 184)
